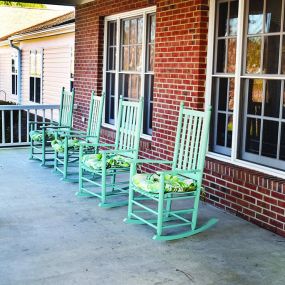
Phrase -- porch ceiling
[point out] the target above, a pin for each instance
(60, 2)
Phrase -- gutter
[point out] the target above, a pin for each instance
(19, 74)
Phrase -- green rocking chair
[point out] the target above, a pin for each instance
(42, 133)
(66, 145)
(168, 200)
(112, 160)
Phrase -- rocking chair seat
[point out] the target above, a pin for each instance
(36, 135)
(58, 144)
(94, 161)
(173, 183)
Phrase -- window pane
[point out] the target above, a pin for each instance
(253, 56)
(223, 14)
(32, 63)
(14, 83)
(221, 50)
(32, 92)
(233, 18)
(271, 54)
(152, 28)
(221, 125)
(112, 33)
(283, 105)
(223, 91)
(139, 58)
(252, 135)
(38, 63)
(255, 90)
(38, 90)
(231, 56)
(133, 34)
(272, 98)
(132, 62)
(229, 131)
(282, 142)
(110, 95)
(125, 58)
(269, 138)
(151, 57)
(126, 28)
(140, 30)
(283, 56)
(111, 58)
(255, 17)
(273, 16)
(231, 95)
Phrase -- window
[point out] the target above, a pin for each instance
(71, 69)
(129, 63)
(248, 77)
(14, 72)
(36, 75)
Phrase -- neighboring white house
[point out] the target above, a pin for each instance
(35, 63)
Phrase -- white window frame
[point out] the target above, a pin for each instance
(118, 17)
(41, 50)
(233, 158)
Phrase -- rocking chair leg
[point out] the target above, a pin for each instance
(43, 149)
(168, 206)
(65, 163)
(113, 180)
(160, 207)
(103, 193)
(32, 150)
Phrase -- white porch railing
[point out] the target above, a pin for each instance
(15, 119)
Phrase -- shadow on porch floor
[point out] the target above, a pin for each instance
(49, 236)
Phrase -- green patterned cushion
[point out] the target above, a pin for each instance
(94, 161)
(150, 183)
(36, 135)
(58, 144)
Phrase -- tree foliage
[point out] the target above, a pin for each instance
(20, 4)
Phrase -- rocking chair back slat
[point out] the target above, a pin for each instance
(95, 115)
(191, 141)
(129, 126)
(66, 108)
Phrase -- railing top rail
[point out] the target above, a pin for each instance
(27, 107)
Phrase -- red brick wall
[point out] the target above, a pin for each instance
(180, 68)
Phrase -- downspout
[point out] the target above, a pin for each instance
(19, 74)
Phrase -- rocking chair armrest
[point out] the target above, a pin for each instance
(116, 151)
(55, 127)
(140, 161)
(42, 123)
(75, 132)
(87, 144)
(177, 171)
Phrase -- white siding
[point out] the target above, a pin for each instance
(6, 75)
(56, 73)
(25, 76)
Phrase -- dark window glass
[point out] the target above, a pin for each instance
(14, 84)
(252, 135)
(71, 85)
(221, 124)
(253, 57)
(271, 54)
(229, 131)
(110, 98)
(221, 56)
(255, 93)
(38, 90)
(223, 91)
(283, 56)
(231, 60)
(273, 16)
(255, 17)
(272, 98)
(233, 18)
(223, 14)
(282, 142)
(269, 138)
(32, 89)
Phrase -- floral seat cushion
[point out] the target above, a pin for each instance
(36, 135)
(58, 144)
(94, 161)
(150, 183)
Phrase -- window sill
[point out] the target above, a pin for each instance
(246, 164)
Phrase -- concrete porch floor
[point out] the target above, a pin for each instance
(49, 236)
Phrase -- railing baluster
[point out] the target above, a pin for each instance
(11, 127)
(28, 125)
(19, 126)
(3, 127)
